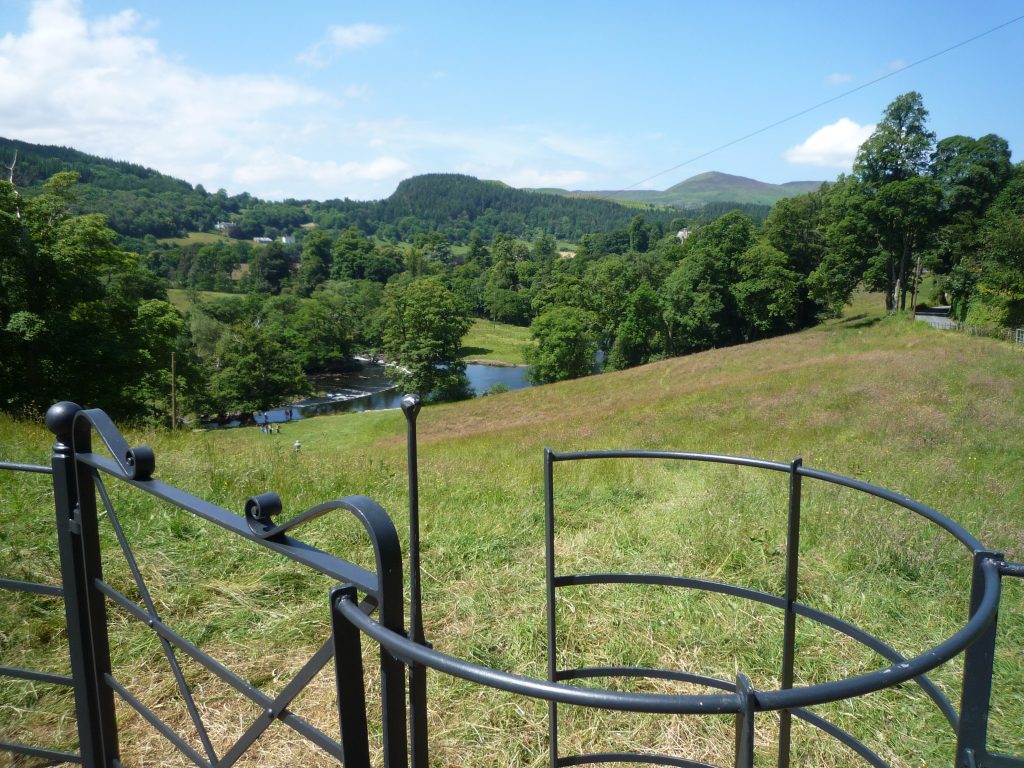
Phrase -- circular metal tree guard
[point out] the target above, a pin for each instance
(739, 697)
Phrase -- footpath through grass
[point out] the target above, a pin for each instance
(935, 415)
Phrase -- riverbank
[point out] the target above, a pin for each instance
(494, 363)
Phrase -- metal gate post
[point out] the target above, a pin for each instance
(85, 611)
(745, 723)
(418, 735)
(972, 735)
(348, 676)
(792, 586)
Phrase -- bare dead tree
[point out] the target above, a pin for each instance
(10, 179)
(10, 168)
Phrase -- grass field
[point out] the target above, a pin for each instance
(935, 415)
(200, 238)
(180, 297)
(495, 343)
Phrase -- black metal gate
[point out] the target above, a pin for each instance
(80, 496)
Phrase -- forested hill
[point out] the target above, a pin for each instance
(136, 200)
(442, 199)
(140, 202)
(37, 162)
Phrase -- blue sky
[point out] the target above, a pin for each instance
(341, 99)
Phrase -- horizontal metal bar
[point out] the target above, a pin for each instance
(840, 735)
(992, 760)
(637, 758)
(813, 719)
(329, 565)
(886, 652)
(33, 675)
(166, 731)
(662, 580)
(53, 755)
(673, 455)
(403, 648)
(26, 468)
(667, 704)
(942, 521)
(897, 673)
(957, 531)
(766, 598)
(1012, 569)
(14, 585)
(583, 673)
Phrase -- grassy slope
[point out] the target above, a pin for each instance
(200, 238)
(179, 297)
(934, 415)
(714, 187)
(495, 343)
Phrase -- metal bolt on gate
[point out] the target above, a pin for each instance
(371, 603)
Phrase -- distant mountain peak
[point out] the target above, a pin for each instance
(715, 187)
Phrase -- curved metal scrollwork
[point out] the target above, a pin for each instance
(261, 509)
(73, 426)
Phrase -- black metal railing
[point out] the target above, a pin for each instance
(47, 591)
(80, 494)
(81, 498)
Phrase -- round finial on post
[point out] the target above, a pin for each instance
(411, 405)
(60, 419)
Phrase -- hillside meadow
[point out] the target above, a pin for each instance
(934, 415)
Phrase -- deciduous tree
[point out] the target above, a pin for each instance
(423, 330)
(565, 345)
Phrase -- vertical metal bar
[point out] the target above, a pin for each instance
(350, 683)
(85, 611)
(972, 736)
(549, 582)
(745, 723)
(792, 583)
(418, 735)
(392, 670)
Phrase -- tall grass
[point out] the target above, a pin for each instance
(936, 416)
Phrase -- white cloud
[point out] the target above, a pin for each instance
(273, 169)
(833, 146)
(534, 177)
(838, 78)
(105, 87)
(340, 39)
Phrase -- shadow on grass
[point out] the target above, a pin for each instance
(474, 351)
(859, 321)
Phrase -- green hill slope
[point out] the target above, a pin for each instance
(714, 187)
(935, 415)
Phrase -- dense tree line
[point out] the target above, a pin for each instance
(78, 316)
(913, 205)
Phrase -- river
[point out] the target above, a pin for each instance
(370, 389)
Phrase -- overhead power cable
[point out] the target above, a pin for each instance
(820, 104)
